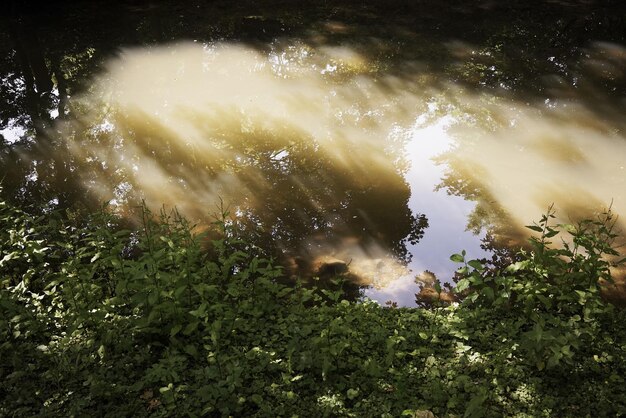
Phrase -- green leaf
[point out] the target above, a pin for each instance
(535, 228)
(519, 265)
(200, 312)
(474, 407)
(462, 285)
(553, 360)
(566, 350)
(476, 265)
(179, 291)
(353, 393)
(166, 388)
(551, 233)
(101, 351)
(285, 291)
(437, 286)
(568, 227)
(233, 291)
(191, 350)
(546, 301)
(457, 258)
(175, 330)
(153, 297)
(191, 328)
(9, 257)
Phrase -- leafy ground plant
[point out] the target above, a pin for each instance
(96, 320)
(546, 314)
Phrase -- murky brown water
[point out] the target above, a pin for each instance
(340, 142)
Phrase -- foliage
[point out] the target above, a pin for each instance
(545, 313)
(161, 321)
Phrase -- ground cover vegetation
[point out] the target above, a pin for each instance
(159, 320)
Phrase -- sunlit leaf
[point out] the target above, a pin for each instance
(462, 285)
(457, 258)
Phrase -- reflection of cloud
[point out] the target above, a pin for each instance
(318, 147)
(312, 157)
(447, 215)
(563, 156)
(201, 105)
(607, 60)
(401, 290)
(13, 132)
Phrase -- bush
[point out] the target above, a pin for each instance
(101, 321)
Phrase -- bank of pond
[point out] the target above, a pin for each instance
(168, 319)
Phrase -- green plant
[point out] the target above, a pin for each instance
(545, 312)
(162, 320)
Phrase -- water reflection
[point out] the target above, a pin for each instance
(320, 123)
(532, 157)
(307, 150)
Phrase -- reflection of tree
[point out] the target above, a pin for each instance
(36, 92)
(463, 178)
(290, 195)
(513, 173)
(35, 74)
(298, 196)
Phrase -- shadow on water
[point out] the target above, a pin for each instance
(315, 120)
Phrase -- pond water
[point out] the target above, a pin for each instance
(381, 134)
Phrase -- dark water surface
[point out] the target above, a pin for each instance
(386, 134)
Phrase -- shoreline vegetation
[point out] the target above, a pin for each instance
(99, 320)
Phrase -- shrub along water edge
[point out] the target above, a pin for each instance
(101, 321)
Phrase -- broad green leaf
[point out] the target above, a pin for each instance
(353, 393)
(153, 297)
(462, 285)
(201, 311)
(166, 388)
(179, 291)
(191, 350)
(191, 328)
(175, 330)
(457, 258)
(476, 265)
(519, 265)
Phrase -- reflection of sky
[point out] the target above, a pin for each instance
(447, 216)
(13, 132)
(522, 156)
(225, 82)
(16, 129)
